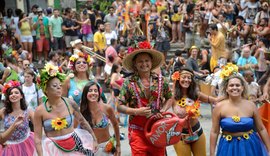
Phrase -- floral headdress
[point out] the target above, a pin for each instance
(74, 57)
(228, 70)
(10, 84)
(50, 71)
(176, 75)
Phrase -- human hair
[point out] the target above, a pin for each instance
(9, 59)
(8, 104)
(225, 83)
(21, 16)
(113, 41)
(68, 10)
(55, 10)
(84, 107)
(30, 72)
(52, 54)
(114, 68)
(240, 17)
(35, 6)
(191, 90)
(18, 12)
(213, 27)
(74, 69)
(89, 7)
(110, 7)
(190, 8)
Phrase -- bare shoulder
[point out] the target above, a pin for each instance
(107, 109)
(220, 105)
(72, 103)
(2, 112)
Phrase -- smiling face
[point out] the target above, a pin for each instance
(93, 94)
(234, 87)
(143, 63)
(185, 80)
(81, 65)
(15, 95)
(54, 88)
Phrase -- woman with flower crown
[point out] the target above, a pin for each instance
(187, 105)
(18, 139)
(238, 118)
(57, 116)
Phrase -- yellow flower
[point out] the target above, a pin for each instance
(88, 58)
(51, 69)
(246, 136)
(236, 118)
(73, 58)
(182, 102)
(228, 137)
(251, 131)
(59, 124)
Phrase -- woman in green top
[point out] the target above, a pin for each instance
(11, 72)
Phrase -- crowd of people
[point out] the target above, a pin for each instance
(54, 64)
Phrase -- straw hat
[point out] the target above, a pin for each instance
(157, 58)
(193, 47)
(77, 41)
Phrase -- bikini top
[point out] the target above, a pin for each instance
(103, 123)
(50, 124)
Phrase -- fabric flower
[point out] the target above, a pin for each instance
(51, 69)
(236, 118)
(144, 45)
(73, 58)
(9, 85)
(59, 124)
(76, 92)
(176, 76)
(182, 102)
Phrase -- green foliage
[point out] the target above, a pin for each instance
(104, 4)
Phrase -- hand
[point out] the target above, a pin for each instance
(158, 116)
(143, 111)
(18, 120)
(52, 39)
(265, 96)
(118, 151)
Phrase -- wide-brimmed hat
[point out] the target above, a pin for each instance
(157, 58)
(77, 41)
(193, 47)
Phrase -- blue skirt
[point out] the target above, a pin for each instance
(247, 145)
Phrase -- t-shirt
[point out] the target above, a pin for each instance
(112, 19)
(243, 61)
(192, 64)
(69, 23)
(31, 94)
(110, 36)
(100, 40)
(56, 24)
(45, 21)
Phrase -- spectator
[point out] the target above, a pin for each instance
(252, 9)
(18, 12)
(99, 48)
(263, 30)
(23, 54)
(70, 27)
(92, 17)
(54, 58)
(253, 90)
(9, 19)
(110, 55)
(31, 16)
(246, 61)
(87, 33)
(11, 71)
(41, 25)
(241, 32)
(111, 18)
(262, 59)
(25, 25)
(109, 34)
(56, 33)
(264, 13)
(217, 41)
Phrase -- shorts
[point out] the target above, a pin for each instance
(68, 39)
(87, 37)
(116, 92)
(43, 44)
(163, 46)
(100, 63)
(27, 39)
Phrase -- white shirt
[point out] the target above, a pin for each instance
(31, 94)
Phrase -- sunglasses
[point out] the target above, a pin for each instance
(27, 65)
(81, 62)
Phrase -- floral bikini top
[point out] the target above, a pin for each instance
(58, 123)
(22, 131)
(103, 123)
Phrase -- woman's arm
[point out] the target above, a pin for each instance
(215, 129)
(5, 75)
(83, 123)
(65, 87)
(114, 122)
(38, 130)
(260, 127)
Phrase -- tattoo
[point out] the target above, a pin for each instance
(83, 123)
(122, 109)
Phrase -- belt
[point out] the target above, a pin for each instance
(132, 126)
(195, 128)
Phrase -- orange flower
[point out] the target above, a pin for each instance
(176, 76)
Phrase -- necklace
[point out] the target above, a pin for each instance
(144, 85)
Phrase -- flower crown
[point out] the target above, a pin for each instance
(10, 84)
(176, 75)
(74, 57)
(228, 70)
(47, 73)
(139, 45)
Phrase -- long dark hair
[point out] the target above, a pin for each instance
(84, 108)
(191, 90)
(114, 69)
(8, 104)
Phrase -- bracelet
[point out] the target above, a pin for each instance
(208, 99)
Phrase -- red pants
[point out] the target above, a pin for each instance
(141, 147)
